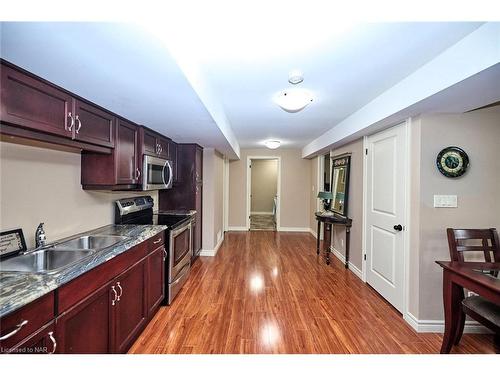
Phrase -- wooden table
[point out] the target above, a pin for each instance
(329, 221)
(456, 277)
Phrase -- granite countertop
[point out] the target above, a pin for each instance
(17, 289)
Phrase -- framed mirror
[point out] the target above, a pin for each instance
(340, 184)
(326, 172)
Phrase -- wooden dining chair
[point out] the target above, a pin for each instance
(477, 307)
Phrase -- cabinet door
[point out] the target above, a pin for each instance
(149, 143)
(34, 104)
(163, 145)
(93, 125)
(126, 153)
(129, 314)
(42, 342)
(156, 278)
(86, 327)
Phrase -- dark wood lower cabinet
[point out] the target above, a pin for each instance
(86, 327)
(155, 279)
(129, 312)
(42, 342)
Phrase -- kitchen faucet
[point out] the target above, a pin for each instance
(40, 238)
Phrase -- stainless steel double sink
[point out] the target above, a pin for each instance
(56, 257)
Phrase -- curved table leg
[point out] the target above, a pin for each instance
(452, 298)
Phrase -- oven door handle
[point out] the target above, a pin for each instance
(178, 231)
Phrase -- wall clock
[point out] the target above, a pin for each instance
(452, 161)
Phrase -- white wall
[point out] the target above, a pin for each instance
(264, 185)
(43, 185)
(478, 191)
(213, 198)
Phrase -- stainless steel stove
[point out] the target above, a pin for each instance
(179, 237)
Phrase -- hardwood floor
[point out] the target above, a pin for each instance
(268, 292)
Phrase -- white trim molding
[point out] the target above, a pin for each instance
(294, 229)
(261, 213)
(212, 252)
(437, 326)
(355, 270)
(237, 229)
(313, 232)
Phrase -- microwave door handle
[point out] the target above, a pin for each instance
(170, 174)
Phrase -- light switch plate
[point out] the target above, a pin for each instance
(448, 201)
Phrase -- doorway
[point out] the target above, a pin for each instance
(263, 186)
(385, 213)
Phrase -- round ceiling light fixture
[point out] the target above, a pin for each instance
(293, 100)
(272, 144)
(295, 76)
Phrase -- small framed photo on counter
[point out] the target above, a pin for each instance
(11, 242)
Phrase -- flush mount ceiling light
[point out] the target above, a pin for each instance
(293, 100)
(295, 76)
(272, 144)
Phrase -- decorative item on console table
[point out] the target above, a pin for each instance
(187, 193)
(327, 197)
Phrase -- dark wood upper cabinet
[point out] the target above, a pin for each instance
(127, 154)
(154, 144)
(148, 142)
(163, 145)
(129, 312)
(93, 125)
(31, 103)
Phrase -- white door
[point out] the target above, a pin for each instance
(385, 213)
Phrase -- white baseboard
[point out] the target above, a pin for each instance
(313, 232)
(237, 229)
(294, 229)
(437, 326)
(212, 252)
(355, 270)
(261, 213)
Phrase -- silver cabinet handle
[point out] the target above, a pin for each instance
(18, 328)
(157, 241)
(121, 291)
(137, 173)
(72, 122)
(54, 342)
(165, 254)
(115, 297)
(79, 124)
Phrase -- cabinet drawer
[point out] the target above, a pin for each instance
(84, 285)
(35, 314)
(155, 242)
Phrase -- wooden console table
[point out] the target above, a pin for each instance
(328, 222)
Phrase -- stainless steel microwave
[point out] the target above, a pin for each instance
(157, 173)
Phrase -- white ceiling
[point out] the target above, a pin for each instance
(344, 72)
(197, 82)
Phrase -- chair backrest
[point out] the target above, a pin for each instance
(489, 243)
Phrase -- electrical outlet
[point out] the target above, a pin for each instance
(342, 242)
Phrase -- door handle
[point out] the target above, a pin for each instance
(115, 297)
(70, 128)
(54, 342)
(398, 227)
(79, 124)
(121, 291)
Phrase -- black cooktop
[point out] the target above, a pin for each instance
(172, 221)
